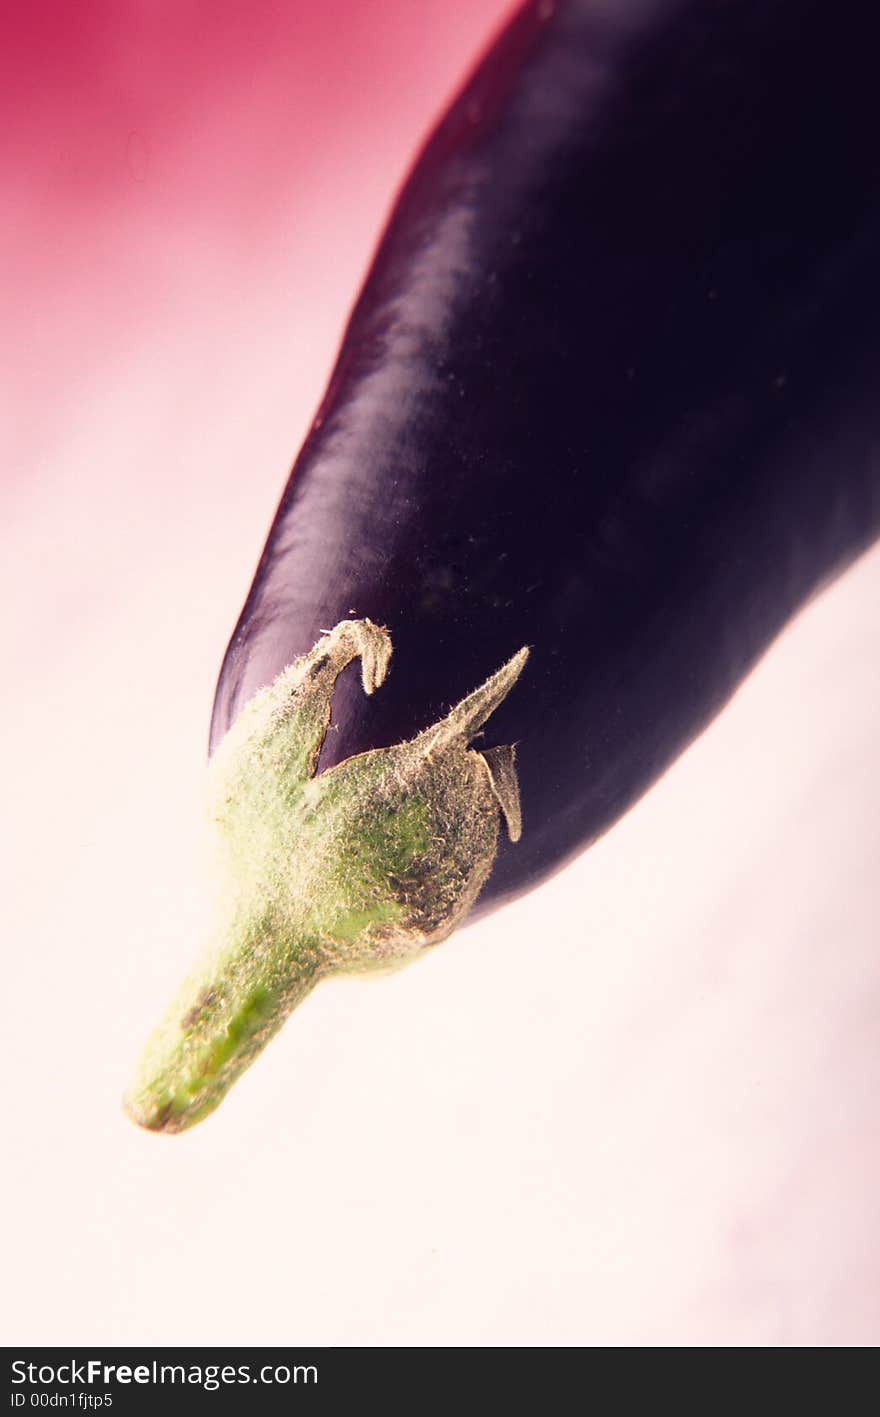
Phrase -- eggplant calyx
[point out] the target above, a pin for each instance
(354, 869)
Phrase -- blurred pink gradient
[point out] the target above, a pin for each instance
(637, 1107)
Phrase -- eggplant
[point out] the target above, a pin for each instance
(609, 391)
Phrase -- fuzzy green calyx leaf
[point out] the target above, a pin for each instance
(357, 868)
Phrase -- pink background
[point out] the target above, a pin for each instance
(640, 1106)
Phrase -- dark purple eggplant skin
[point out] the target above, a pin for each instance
(611, 389)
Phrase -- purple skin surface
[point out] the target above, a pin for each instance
(609, 390)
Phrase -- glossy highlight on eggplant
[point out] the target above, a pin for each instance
(609, 390)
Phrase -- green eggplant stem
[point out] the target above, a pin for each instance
(358, 868)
